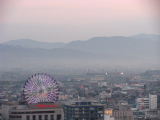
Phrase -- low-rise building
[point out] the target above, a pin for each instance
(122, 112)
(39, 111)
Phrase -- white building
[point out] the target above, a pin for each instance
(102, 84)
(152, 101)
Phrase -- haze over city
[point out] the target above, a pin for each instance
(105, 33)
(79, 60)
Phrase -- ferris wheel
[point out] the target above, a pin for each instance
(41, 88)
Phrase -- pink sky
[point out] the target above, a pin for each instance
(67, 20)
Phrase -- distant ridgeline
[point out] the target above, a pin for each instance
(135, 51)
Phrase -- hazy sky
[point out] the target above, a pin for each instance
(68, 20)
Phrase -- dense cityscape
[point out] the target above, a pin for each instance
(117, 95)
(79, 60)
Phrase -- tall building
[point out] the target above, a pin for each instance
(83, 111)
(152, 102)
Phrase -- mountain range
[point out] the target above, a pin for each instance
(138, 50)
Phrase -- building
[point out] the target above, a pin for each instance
(122, 112)
(104, 94)
(147, 102)
(39, 111)
(142, 103)
(152, 102)
(102, 84)
(83, 111)
(138, 115)
(151, 115)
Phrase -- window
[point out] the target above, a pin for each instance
(76, 115)
(100, 111)
(58, 117)
(100, 108)
(76, 108)
(40, 117)
(46, 117)
(27, 117)
(33, 117)
(52, 117)
(58, 111)
(91, 108)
